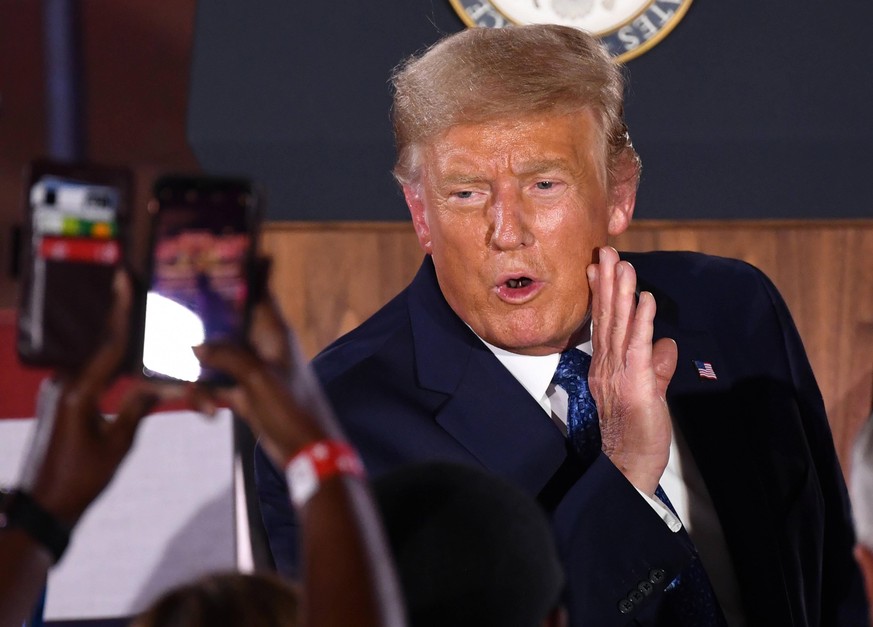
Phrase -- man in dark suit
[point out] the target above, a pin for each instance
(718, 501)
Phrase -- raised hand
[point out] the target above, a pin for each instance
(275, 391)
(629, 375)
(347, 576)
(75, 454)
(84, 448)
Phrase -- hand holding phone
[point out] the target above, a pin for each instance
(204, 231)
(75, 218)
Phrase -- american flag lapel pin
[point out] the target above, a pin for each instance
(704, 370)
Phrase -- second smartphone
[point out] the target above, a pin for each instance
(75, 237)
(204, 233)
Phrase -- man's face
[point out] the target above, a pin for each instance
(512, 212)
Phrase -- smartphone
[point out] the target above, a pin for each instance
(204, 232)
(75, 219)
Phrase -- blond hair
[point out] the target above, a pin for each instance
(485, 74)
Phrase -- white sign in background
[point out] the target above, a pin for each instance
(167, 517)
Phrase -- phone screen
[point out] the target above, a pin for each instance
(199, 290)
(75, 221)
(73, 249)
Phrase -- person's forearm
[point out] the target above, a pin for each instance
(348, 577)
(24, 564)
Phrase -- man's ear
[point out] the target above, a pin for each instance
(623, 193)
(412, 194)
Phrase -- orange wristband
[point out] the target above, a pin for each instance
(317, 462)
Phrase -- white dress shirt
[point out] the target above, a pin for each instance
(681, 480)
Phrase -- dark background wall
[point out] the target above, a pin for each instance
(748, 109)
(754, 109)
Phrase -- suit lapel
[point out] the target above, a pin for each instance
(507, 432)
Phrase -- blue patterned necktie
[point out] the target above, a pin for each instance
(690, 600)
(583, 425)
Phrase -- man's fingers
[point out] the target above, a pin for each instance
(613, 305)
(643, 323)
(201, 399)
(101, 368)
(602, 298)
(623, 306)
(231, 359)
(269, 334)
(665, 355)
(238, 400)
(257, 383)
(268, 331)
(593, 272)
(136, 403)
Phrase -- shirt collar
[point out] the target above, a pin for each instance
(534, 372)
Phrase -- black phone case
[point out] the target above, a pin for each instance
(177, 185)
(64, 304)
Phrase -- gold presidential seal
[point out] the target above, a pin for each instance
(627, 27)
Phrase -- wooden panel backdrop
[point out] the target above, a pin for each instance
(329, 277)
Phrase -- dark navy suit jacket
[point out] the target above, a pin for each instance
(413, 383)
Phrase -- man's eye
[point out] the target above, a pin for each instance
(464, 194)
(545, 184)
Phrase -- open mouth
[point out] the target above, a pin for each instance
(519, 282)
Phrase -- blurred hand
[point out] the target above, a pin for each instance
(276, 392)
(85, 449)
(629, 375)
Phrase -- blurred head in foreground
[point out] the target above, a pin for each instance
(225, 600)
(471, 549)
